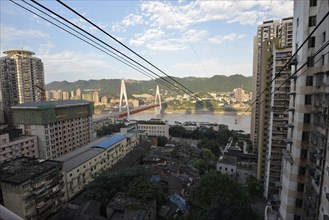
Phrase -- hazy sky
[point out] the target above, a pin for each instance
(182, 38)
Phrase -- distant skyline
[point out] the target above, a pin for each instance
(220, 32)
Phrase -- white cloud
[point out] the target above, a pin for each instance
(132, 20)
(218, 39)
(243, 12)
(148, 35)
(65, 64)
(14, 33)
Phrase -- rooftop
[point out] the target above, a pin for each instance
(127, 207)
(110, 141)
(228, 160)
(51, 104)
(22, 169)
(75, 158)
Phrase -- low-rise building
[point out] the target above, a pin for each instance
(154, 127)
(11, 148)
(123, 206)
(32, 188)
(81, 165)
(227, 165)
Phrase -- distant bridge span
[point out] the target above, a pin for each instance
(135, 110)
(123, 95)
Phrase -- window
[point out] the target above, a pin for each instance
(301, 171)
(310, 61)
(305, 136)
(322, 59)
(297, 22)
(307, 118)
(299, 203)
(303, 154)
(323, 37)
(312, 3)
(308, 99)
(309, 80)
(311, 42)
(300, 187)
(312, 21)
(297, 217)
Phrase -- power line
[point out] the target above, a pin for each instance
(122, 44)
(188, 40)
(115, 56)
(116, 50)
(289, 61)
(293, 75)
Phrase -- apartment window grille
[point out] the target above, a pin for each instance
(312, 21)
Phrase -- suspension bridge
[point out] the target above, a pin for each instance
(157, 105)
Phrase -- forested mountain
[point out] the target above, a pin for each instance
(216, 83)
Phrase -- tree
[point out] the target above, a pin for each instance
(217, 196)
(106, 185)
(142, 188)
(201, 165)
(207, 155)
(162, 141)
(254, 187)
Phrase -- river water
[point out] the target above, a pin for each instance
(235, 122)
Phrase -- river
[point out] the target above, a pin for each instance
(242, 122)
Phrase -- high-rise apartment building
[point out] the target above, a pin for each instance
(61, 126)
(273, 114)
(263, 48)
(21, 77)
(305, 173)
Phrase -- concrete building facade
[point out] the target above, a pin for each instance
(305, 174)
(60, 126)
(32, 188)
(272, 29)
(82, 165)
(269, 33)
(17, 147)
(20, 76)
(154, 127)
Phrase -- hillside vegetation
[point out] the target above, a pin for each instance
(216, 83)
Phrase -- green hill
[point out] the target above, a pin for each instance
(216, 83)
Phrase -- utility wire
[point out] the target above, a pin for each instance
(115, 56)
(188, 40)
(122, 44)
(289, 61)
(293, 75)
(116, 50)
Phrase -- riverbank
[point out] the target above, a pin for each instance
(170, 111)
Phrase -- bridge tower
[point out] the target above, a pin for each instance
(123, 92)
(158, 101)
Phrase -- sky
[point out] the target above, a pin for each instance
(182, 38)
